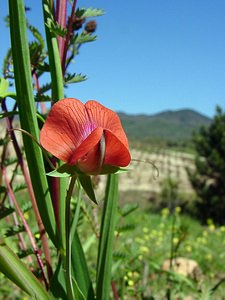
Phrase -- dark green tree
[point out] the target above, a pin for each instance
(208, 178)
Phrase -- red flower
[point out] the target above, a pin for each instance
(89, 136)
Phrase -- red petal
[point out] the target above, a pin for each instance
(66, 127)
(116, 153)
(86, 146)
(106, 118)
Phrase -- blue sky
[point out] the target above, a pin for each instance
(150, 55)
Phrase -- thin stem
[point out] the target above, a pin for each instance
(77, 212)
(27, 228)
(67, 255)
(114, 290)
(21, 241)
(31, 136)
(37, 86)
(30, 192)
(92, 219)
(168, 291)
(68, 35)
(61, 9)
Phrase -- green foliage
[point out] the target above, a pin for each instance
(5, 211)
(8, 114)
(83, 38)
(209, 176)
(74, 78)
(169, 193)
(19, 187)
(50, 22)
(89, 12)
(140, 255)
(105, 249)
(14, 230)
(17, 272)
(3, 87)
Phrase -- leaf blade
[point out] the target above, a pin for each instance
(17, 272)
(105, 251)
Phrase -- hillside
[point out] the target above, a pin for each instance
(172, 126)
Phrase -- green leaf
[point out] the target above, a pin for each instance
(83, 38)
(14, 230)
(126, 227)
(86, 183)
(35, 50)
(4, 141)
(92, 12)
(78, 295)
(2, 190)
(42, 98)
(79, 272)
(128, 208)
(55, 173)
(119, 255)
(58, 284)
(55, 28)
(122, 170)
(179, 278)
(45, 88)
(26, 207)
(25, 253)
(12, 267)
(74, 78)
(88, 242)
(4, 90)
(5, 211)
(37, 35)
(19, 187)
(3, 86)
(80, 269)
(10, 161)
(8, 114)
(63, 171)
(105, 250)
(43, 66)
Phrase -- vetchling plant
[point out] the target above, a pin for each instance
(59, 153)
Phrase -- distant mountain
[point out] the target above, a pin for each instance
(174, 126)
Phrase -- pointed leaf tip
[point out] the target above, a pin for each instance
(86, 183)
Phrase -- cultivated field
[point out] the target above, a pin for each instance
(148, 171)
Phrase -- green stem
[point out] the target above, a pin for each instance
(77, 212)
(53, 54)
(27, 113)
(67, 255)
(105, 251)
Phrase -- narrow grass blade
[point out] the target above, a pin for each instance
(12, 267)
(79, 273)
(105, 250)
(80, 269)
(82, 284)
(28, 120)
(86, 183)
